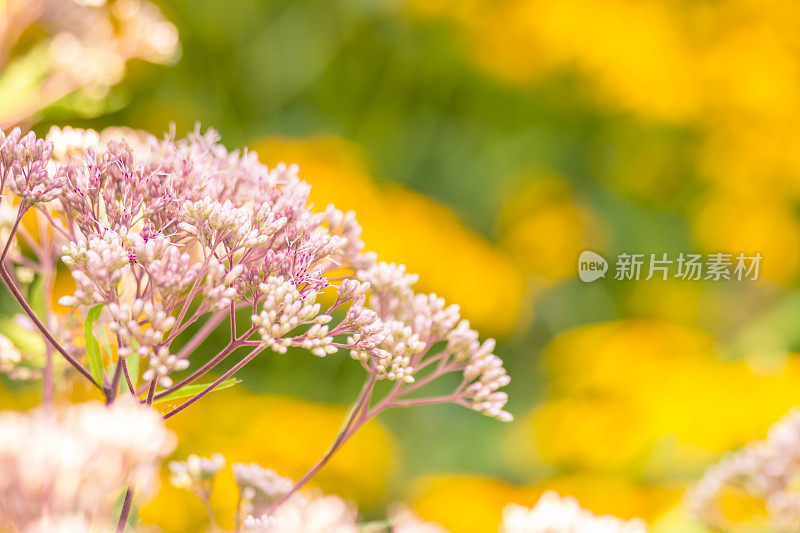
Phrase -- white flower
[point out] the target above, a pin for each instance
(81, 459)
(327, 514)
(766, 469)
(404, 521)
(196, 473)
(556, 514)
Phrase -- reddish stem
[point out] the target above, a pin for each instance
(21, 212)
(249, 357)
(357, 418)
(42, 328)
(232, 346)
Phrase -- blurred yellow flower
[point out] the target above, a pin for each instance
(544, 230)
(278, 432)
(661, 59)
(753, 157)
(673, 301)
(585, 433)
(19, 398)
(648, 398)
(406, 227)
(727, 71)
(738, 224)
(615, 43)
(742, 511)
(471, 504)
(622, 356)
(467, 504)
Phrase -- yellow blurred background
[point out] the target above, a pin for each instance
(485, 144)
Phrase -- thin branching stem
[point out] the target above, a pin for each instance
(42, 328)
(20, 213)
(126, 509)
(357, 417)
(217, 359)
(249, 357)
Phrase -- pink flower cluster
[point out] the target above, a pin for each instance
(330, 514)
(70, 466)
(767, 470)
(163, 233)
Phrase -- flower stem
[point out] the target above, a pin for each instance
(202, 334)
(6, 278)
(249, 357)
(229, 349)
(126, 509)
(338, 443)
(111, 393)
(127, 375)
(358, 416)
(22, 209)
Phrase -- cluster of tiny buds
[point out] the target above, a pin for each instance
(556, 514)
(369, 332)
(168, 268)
(405, 326)
(213, 222)
(163, 232)
(767, 470)
(390, 277)
(219, 288)
(127, 322)
(196, 473)
(259, 487)
(401, 344)
(25, 161)
(350, 289)
(285, 309)
(97, 265)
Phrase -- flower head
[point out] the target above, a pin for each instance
(405, 521)
(152, 229)
(259, 487)
(326, 514)
(767, 470)
(556, 514)
(23, 168)
(162, 232)
(413, 325)
(196, 473)
(80, 459)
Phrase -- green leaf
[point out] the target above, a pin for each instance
(92, 346)
(132, 362)
(106, 345)
(192, 390)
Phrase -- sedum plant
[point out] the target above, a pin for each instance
(170, 236)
